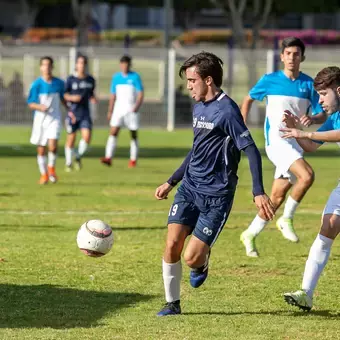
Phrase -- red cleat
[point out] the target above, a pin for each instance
(51, 174)
(132, 164)
(43, 179)
(106, 161)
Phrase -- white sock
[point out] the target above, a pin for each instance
(133, 149)
(172, 275)
(82, 147)
(316, 262)
(68, 155)
(52, 158)
(290, 208)
(257, 225)
(42, 164)
(110, 146)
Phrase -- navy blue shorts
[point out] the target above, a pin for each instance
(205, 215)
(84, 123)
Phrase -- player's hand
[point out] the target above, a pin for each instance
(93, 100)
(73, 117)
(43, 108)
(76, 98)
(264, 204)
(306, 121)
(109, 116)
(291, 120)
(162, 191)
(293, 133)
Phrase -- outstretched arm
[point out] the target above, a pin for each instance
(163, 190)
(246, 106)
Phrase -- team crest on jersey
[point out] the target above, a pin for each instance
(74, 86)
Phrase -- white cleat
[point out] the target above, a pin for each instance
(248, 241)
(285, 225)
(299, 299)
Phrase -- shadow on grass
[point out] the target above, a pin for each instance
(321, 313)
(43, 306)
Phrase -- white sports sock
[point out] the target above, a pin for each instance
(133, 149)
(257, 225)
(316, 262)
(82, 148)
(172, 275)
(52, 158)
(68, 155)
(42, 164)
(290, 207)
(110, 146)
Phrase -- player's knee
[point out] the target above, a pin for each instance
(307, 178)
(194, 259)
(173, 248)
(330, 226)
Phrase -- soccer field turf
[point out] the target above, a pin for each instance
(50, 290)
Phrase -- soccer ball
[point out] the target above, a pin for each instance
(95, 238)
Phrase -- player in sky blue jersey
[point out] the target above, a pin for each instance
(127, 95)
(79, 92)
(44, 98)
(288, 89)
(327, 83)
(204, 199)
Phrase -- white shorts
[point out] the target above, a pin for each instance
(45, 127)
(130, 120)
(333, 204)
(283, 154)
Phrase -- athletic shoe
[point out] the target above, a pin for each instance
(199, 275)
(68, 168)
(52, 174)
(132, 164)
(299, 299)
(248, 241)
(77, 164)
(106, 161)
(170, 308)
(43, 179)
(285, 225)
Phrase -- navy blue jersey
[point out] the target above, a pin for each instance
(84, 87)
(219, 135)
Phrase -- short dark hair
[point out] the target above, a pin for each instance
(50, 59)
(125, 59)
(84, 57)
(208, 64)
(329, 77)
(293, 41)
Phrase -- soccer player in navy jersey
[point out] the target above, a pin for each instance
(79, 92)
(204, 199)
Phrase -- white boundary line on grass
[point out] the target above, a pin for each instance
(118, 213)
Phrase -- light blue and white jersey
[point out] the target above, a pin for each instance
(126, 87)
(332, 123)
(283, 93)
(47, 93)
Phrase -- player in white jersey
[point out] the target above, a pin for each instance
(44, 99)
(287, 89)
(126, 98)
(327, 83)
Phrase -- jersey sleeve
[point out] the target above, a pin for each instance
(326, 126)
(113, 85)
(68, 85)
(93, 88)
(259, 91)
(234, 126)
(138, 83)
(62, 89)
(314, 99)
(33, 95)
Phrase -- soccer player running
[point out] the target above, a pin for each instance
(126, 98)
(44, 98)
(327, 83)
(203, 201)
(287, 89)
(79, 92)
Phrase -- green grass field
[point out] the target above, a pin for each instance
(50, 290)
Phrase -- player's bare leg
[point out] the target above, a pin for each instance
(69, 150)
(111, 146)
(84, 142)
(133, 149)
(196, 257)
(42, 163)
(304, 179)
(172, 268)
(52, 158)
(280, 187)
(316, 262)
